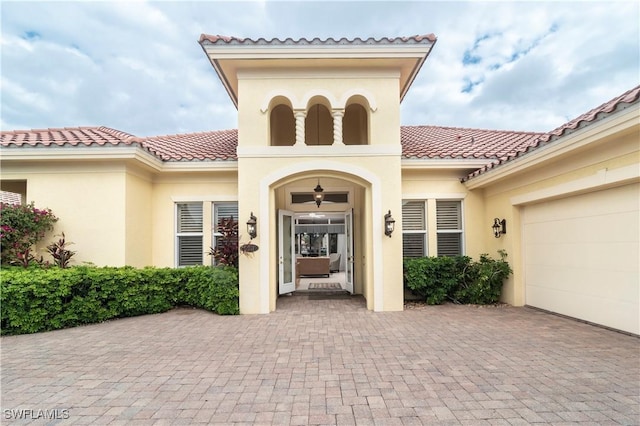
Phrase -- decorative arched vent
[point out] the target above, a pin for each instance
(319, 126)
(282, 126)
(355, 125)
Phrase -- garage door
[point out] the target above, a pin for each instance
(581, 257)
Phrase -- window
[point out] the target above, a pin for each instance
(189, 234)
(449, 224)
(223, 211)
(414, 229)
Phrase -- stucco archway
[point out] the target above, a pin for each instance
(372, 212)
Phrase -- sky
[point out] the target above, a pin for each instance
(137, 66)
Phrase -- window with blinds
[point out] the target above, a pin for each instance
(189, 233)
(449, 227)
(222, 211)
(414, 229)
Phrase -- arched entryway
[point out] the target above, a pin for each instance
(363, 191)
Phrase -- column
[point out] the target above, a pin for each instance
(300, 116)
(337, 114)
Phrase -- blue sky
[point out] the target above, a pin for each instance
(137, 66)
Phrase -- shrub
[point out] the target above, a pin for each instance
(38, 299)
(482, 283)
(60, 253)
(214, 289)
(226, 252)
(434, 278)
(458, 278)
(21, 227)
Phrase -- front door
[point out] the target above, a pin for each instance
(348, 228)
(286, 253)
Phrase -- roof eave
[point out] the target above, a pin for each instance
(120, 153)
(591, 134)
(217, 52)
(218, 69)
(444, 163)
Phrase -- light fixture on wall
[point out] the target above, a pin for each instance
(499, 227)
(318, 194)
(389, 224)
(252, 228)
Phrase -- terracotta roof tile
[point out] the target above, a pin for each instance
(73, 136)
(454, 142)
(220, 39)
(203, 146)
(629, 97)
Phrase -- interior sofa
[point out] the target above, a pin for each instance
(312, 266)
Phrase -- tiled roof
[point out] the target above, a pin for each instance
(436, 142)
(205, 146)
(73, 136)
(220, 39)
(618, 103)
(215, 145)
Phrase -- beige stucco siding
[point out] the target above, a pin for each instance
(88, 199)
(138, 225)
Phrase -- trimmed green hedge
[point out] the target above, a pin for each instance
(457, 278)
(33, 300)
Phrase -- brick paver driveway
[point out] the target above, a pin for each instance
(326, 362)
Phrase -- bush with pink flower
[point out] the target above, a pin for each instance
(21, 228)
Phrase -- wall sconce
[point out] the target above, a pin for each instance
(499, 227)
(318, 195)
(252, 229)
(389, 224)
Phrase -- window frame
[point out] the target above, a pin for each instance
(214, 223)
(459, 231)
(430, 201)
(424, 232)
(179, 235)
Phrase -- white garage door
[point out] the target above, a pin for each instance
(581, 257)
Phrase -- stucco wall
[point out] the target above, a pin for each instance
(138, 213)
(88, 199)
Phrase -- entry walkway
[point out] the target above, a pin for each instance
(326, 362)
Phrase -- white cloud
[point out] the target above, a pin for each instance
(137, 66)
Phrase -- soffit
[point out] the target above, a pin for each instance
(230, 55)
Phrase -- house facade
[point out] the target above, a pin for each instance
(325, 114)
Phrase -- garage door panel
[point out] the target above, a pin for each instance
(615, 200)
(592, 256)
(621, 315)
(581, 256)
(609, 285)
(619, 227)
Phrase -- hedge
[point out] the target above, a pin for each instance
(35, 299)
(458, 278)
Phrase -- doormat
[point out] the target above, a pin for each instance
(328, 295)
(324, 286)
